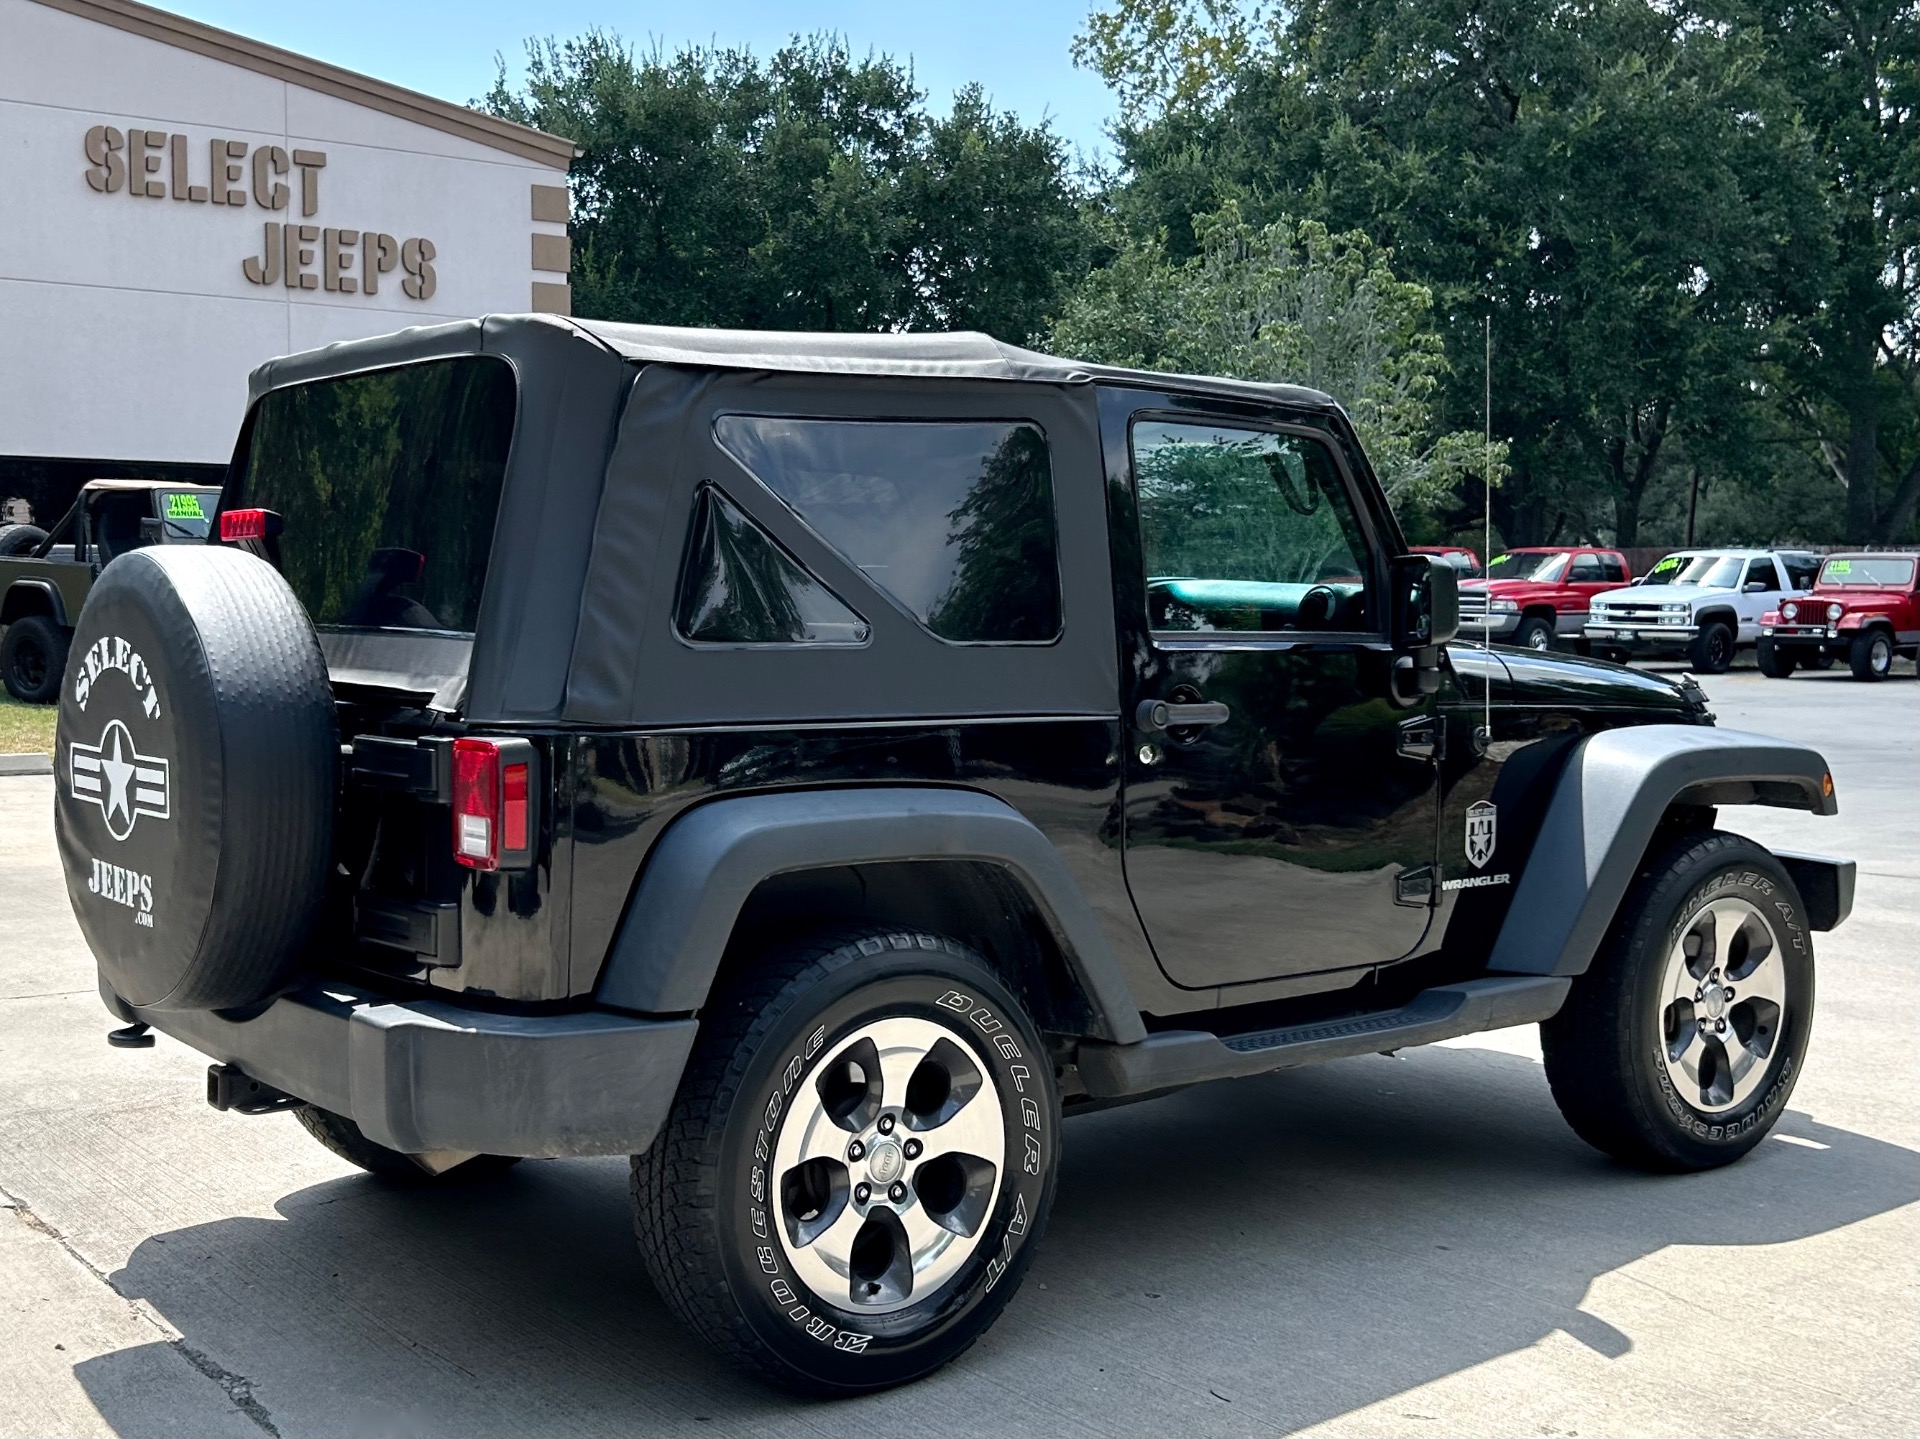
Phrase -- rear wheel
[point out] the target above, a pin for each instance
(1774, 662)
(859, 1160)
(33, 657)
(1871, 655)
(1678, 1048)
(341, 1135)
(1535, 633)
(1712, 650)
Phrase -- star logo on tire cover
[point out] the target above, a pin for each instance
(123, 782)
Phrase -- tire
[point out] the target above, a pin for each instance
(33, 656)
(1821, 660)
(1871, 655)
(728, 1203)
(20, 539)
(1775, 663)
(1606, 1051)
(1711, 652)
(195, 754)
(341, 1135)
(1534, 634)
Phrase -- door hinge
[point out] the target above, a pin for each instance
(1414, 886)
(1420, 738)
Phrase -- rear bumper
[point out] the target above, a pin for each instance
(425, 1075)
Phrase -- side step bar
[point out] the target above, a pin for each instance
(1187, 1056)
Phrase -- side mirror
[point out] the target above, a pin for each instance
(1637, 580)
(1426, 602)
(1754, 587)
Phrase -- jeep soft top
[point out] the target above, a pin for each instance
(814, 765)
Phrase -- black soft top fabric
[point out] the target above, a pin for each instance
(613, 437)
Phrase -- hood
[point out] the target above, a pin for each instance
(1857, 601)
(1560, 679)
(1659, 594)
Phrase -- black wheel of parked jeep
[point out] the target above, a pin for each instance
(1871, 655)
(20, 539)
(1534, 633)
(33, 656)
(341, 1135)
(1821, 660)
(195, 761)
(858, 1163)
(1678, 1049)
(1775, 663)
(1711, 652)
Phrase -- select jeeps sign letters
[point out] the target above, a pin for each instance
(227, 172)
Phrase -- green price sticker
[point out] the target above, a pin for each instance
(1839, 567)
(184, 507)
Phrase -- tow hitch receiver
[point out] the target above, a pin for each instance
(231, 1087)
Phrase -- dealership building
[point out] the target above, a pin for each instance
(183, 203)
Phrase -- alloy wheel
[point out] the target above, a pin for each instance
(1722, 1001)
(888, 1165)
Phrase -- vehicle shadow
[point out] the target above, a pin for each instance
(1244, 1257)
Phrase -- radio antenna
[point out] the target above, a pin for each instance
(1486, 544)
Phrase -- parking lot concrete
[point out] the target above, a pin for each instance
(1414, 1245)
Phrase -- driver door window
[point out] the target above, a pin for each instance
(1760, 572)
(1247, 530)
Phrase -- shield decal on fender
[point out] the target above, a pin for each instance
(1480, 832)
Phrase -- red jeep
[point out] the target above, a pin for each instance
(1532, 595)
(1865, 606)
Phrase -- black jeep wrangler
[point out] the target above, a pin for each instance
(815, 765)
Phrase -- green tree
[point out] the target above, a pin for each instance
(1290, 302)
(812, 191)
(1622, 185)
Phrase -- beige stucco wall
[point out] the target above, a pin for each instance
(127, 326)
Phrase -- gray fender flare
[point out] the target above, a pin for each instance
(703, 869)
(18, 604)
(1605, 808)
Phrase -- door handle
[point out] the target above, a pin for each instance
(1163, 715)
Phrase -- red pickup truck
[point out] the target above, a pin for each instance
(1865, 606)
(1533, 595)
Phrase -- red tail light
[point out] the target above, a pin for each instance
(493, 797)
(237, 525)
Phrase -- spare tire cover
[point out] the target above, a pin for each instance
(194, 777)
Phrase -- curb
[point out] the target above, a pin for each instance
(26, 764)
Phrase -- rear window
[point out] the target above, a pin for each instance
(387, 485)
(184, 514)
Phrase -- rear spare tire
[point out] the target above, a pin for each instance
(20, 539)
(194, 777)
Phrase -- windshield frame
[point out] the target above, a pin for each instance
(1823, 581)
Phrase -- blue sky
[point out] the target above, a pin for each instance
(1017, 49)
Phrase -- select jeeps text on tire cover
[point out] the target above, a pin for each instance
(815, 765)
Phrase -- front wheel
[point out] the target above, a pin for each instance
(1774, 663)
(1871, 655)
(857, 1165)
(1678, 1048)
(1712, 650)
(1534, 633)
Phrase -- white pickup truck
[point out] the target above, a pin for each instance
(1704, 604)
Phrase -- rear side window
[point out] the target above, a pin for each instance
(739, 587)
(952, 520)
(1615, 571)
(387, 484)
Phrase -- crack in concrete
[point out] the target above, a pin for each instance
(237, 1387)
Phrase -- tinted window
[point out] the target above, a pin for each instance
(1246, 530)
(1760, 572)
(1586, 571)
(737, 586)
(1800, 571)
(387, 484)
(1615, 571)
(953, 521)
